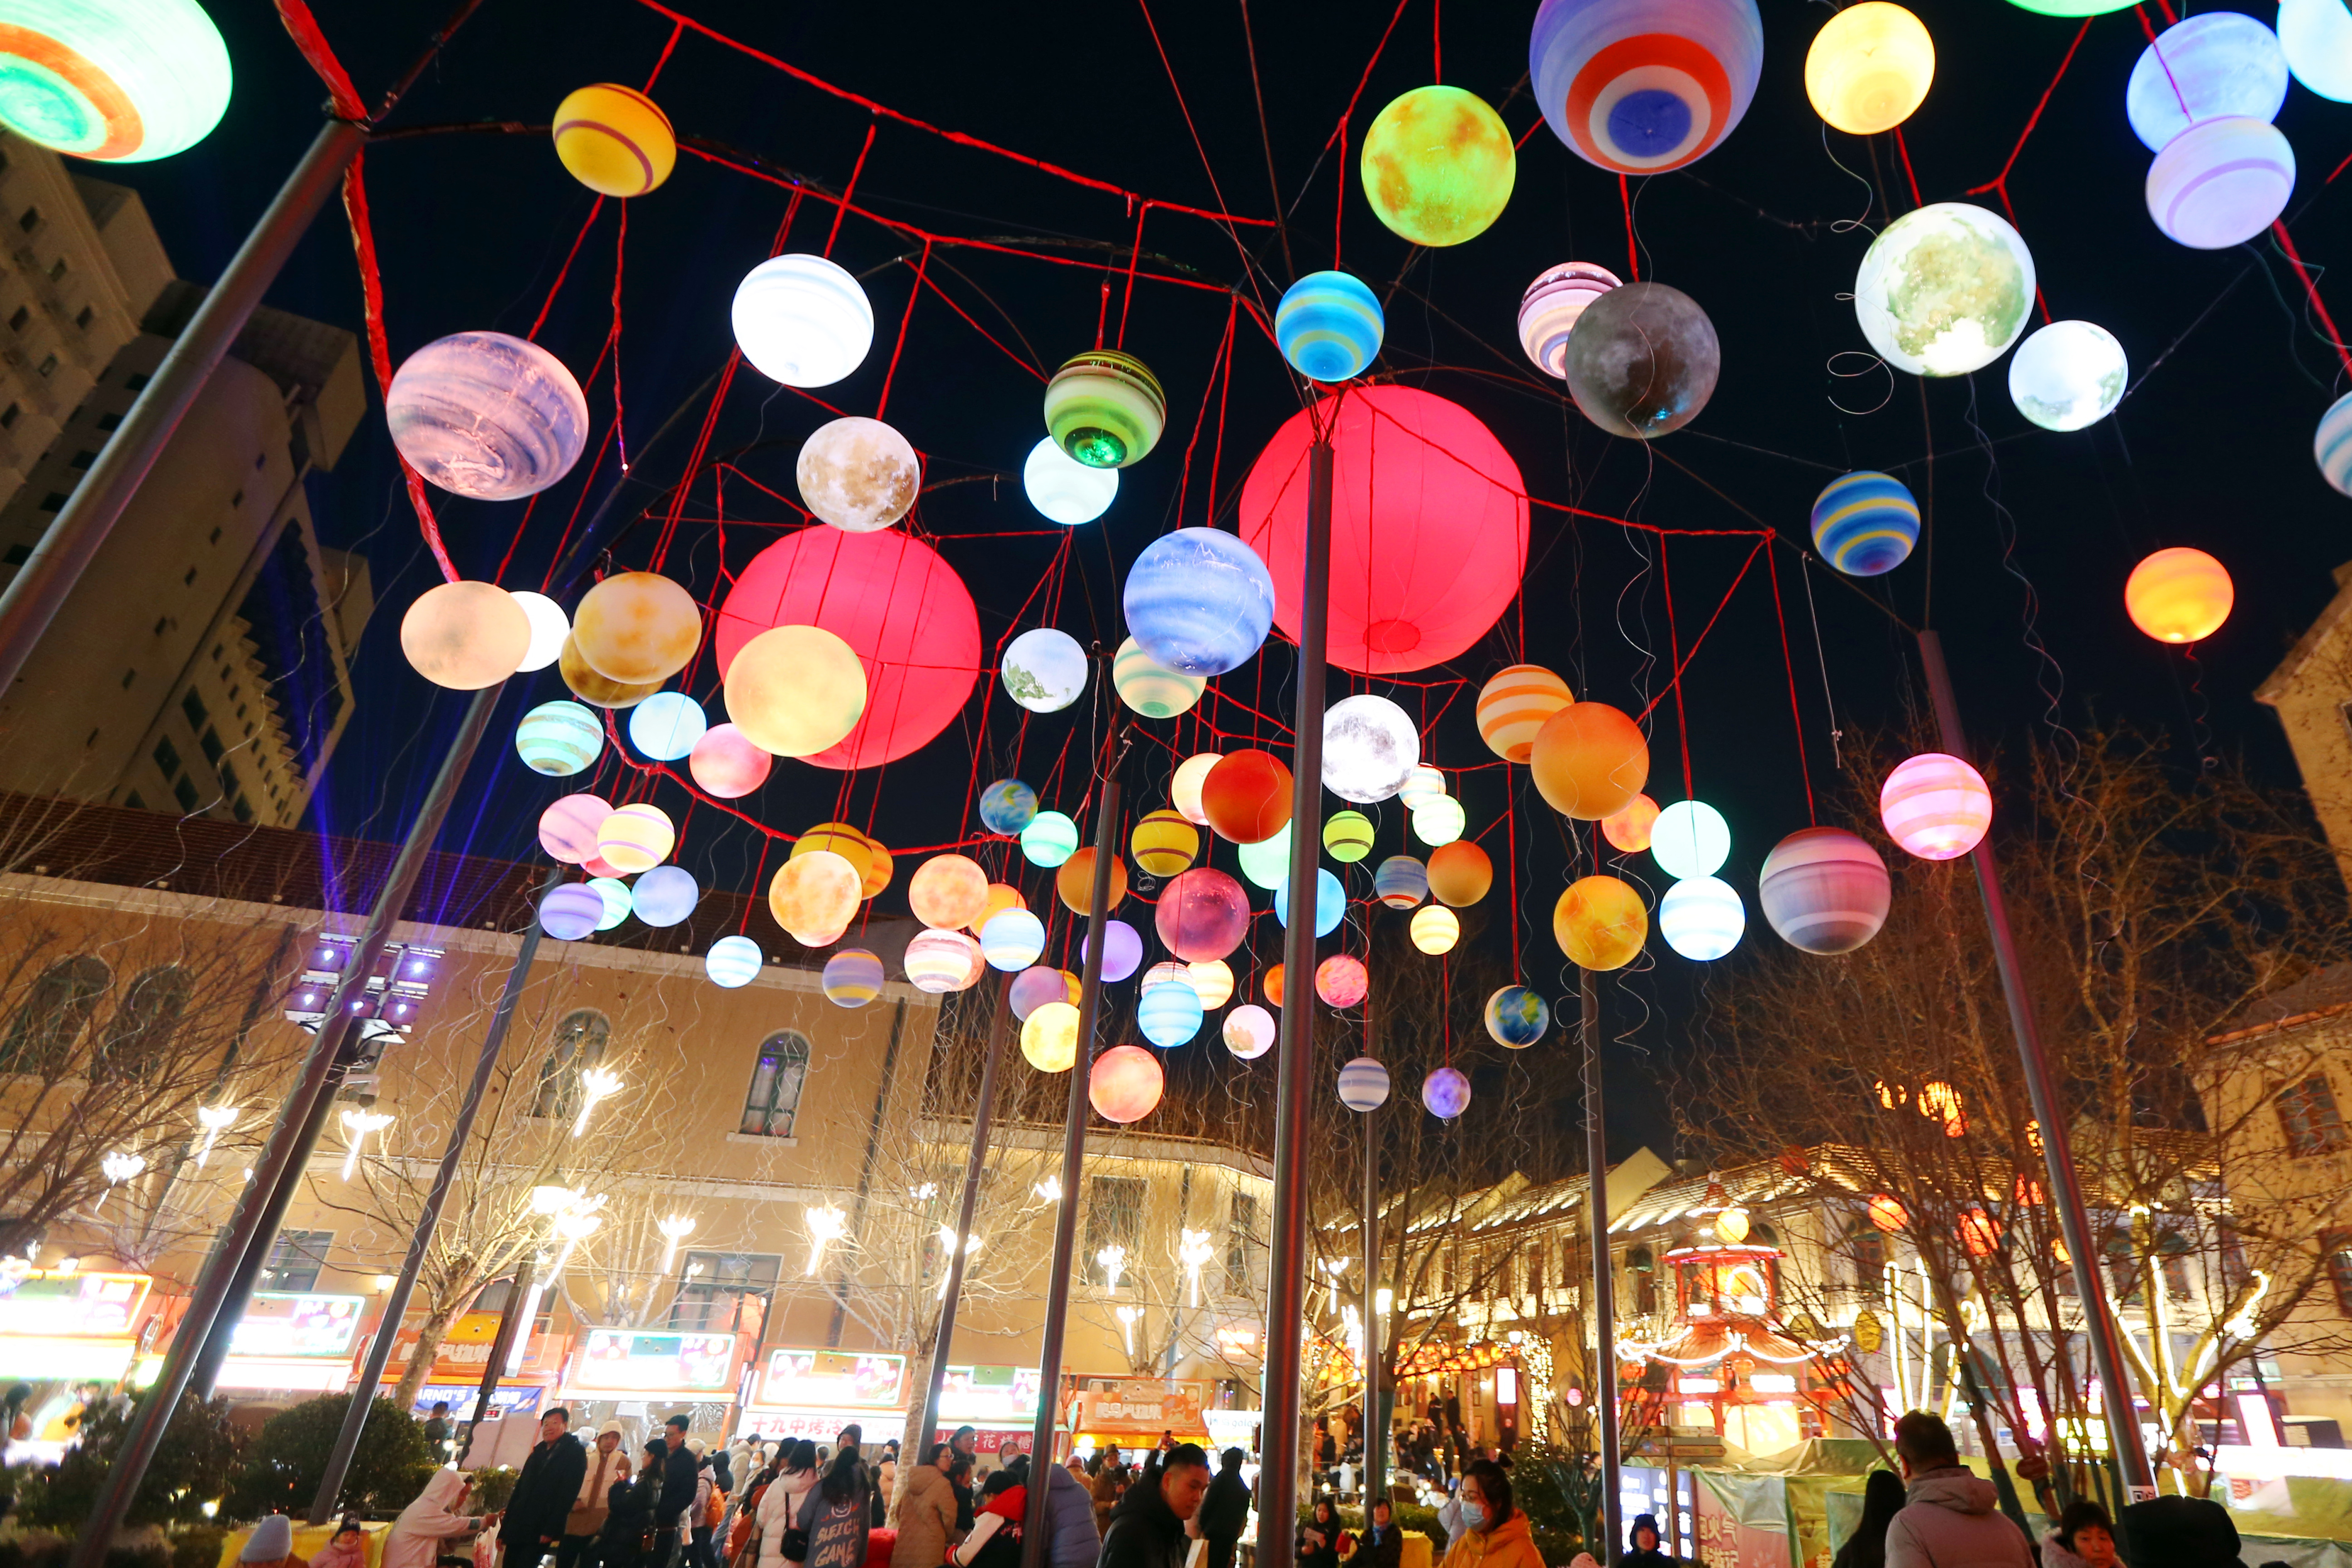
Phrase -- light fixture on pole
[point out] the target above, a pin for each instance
(1193, 1252)
(552, 1199)
(595, 1084)
(357, 1125)
(1333, 1268)
(1113, 1260)
(826, 1224)
(675, 1228)
(1127, 1318)
(216, 1120)
(575, 1227)
(947, 1243)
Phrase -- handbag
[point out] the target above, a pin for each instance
(795, 1543)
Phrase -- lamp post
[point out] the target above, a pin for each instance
(675, 1228)
(826, 1224)
(357, 1125)
(1193, 1251)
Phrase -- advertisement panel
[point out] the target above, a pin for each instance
(654, 1361)
(806, 1379)
(292, 1323)
(1138, 1406)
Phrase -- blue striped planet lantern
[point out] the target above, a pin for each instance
(1363, 1084)
(1421, 785)
(853, 977)
(2200, 68)
(1012, 939)
(733, 962)
(665, 725)
(1824, 890)
(1701, 917)
(1036, 986)
(1199, 601)
(1007, 806)
(1330, 902)
(1049, 839)
(1149, 686)
(1401, 882)
(1330, 326)
(1170, 1015)
(617, 901)
(1549, 310)
(666, 894)
(1865, 523)
(1517, 1018)
(571, 912)
(559, 739)
(1447, 1093)
(2331, 445)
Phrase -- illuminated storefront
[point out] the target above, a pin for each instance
(294, 1340)
(803, 1392)
(1133, 1412)
(657, 1365)
(1730, 1368)
(64, 1325)
(464, 1355)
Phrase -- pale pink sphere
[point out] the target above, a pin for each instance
(567, 830)
(1935, 806)
(1124, 1083)
(727, 764)
(1341, 980)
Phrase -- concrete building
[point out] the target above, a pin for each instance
(2312, 691)
(201, 666)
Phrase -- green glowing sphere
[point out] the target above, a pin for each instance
(1439, 166)
(123, 81)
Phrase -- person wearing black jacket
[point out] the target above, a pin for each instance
(543, 1493)
(1644, 1537)
(1147, 1527)
(1224, 1513)
(680, 1472)
(630, 1512)
(1382, 1546)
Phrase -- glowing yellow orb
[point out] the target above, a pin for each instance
(1439, 166)
(1869, 67)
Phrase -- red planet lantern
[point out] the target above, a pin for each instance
(1273, 984)
(1124, 1083)
(1888, 1215)
(888, 595)
(1460, 873)
(1204, 914)
(1246, 796)
(1429, 526)
(1979, 1233)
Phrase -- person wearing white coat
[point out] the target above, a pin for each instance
(418, 1535)
(780, 1505)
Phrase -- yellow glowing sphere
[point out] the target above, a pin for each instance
(2178, 595)
(1439, 166)
(635, 838)
(947, 892)
(795, 690)
(1600, 923)
(1213, 979)
(593, 689)
(877, 874)
(636, 627)
(465, 636)
(1001, 897)
(615, 140)
(813, 896)
(1049, 1037)
(1184, 789)
(1435, 929)
(1869, 67)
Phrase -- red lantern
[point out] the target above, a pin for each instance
(1429, 526)
(1204, 914)
(1979, 1233)
(888, 595)
(1887, 1214)
(1273, 984)
(1246, 796)
(1124, 1083)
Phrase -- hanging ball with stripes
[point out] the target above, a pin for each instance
(1348, 837)
(1513, 704)
(1164, 844)
(1639, 87)
(1865, 523)
(615, 140)
(1401, 882)
(1330, 326)
(559, 739)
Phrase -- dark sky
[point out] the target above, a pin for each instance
(2033, 533)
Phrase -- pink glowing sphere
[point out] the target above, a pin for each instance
(1124, 1083)
(727, 764)
(1342, 980)
(1204, 914)
(567, 830)
(1935, 806)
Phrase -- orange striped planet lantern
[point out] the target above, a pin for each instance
(1600, 922)
(1075, 881)
(1460, 873)
(1590, 761)
(879, 867)
(1628, 829)
(2180, 596)
(1514, 705)
(839, 839)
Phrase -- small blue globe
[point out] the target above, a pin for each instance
(1007, 806)
(1330, 326)
(1401, 882)
(2331, 445)
(666, 894)
(1865, 523)
(1517, 1018)
(665, 725)
(1330, 902)
(571, 912)
(1199, 601)
(1169, 1015)
(733, 962)
(1446, 1092)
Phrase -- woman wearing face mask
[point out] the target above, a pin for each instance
(1494, 1532)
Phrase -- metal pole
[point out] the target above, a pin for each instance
(396, 1302)
(2124, 1442)
(998, 1028)
(1376, 1426)
(503, 1345)
(1074, 1148)
(215, 1305)
(1604, 1305)
(1286, 1305)
(32, 597)
(204, 1374)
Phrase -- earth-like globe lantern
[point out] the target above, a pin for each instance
(1945, 289)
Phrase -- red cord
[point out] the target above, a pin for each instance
(1788, 665)
(304, 29)
(842, 210)
(613, 341)
(1905, 148)
(2001, 181)
(1437, 42)
(906, 321)
(1763, 542)
(355, 209)
(596, 209)
(1633, 262)
(675, 28)
(1134, 255)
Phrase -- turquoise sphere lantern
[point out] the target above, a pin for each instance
(1330, 326)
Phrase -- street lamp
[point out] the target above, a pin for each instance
(947, 1241)
(216, 1120)
(675, 1228)
(1334, 1268)
(595, 1084)
(357, 1125)
(825, 1224)
(1113, 1260)
(1127, 1318)
(1193, 1252)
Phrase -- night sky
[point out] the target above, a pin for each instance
(2033, 533)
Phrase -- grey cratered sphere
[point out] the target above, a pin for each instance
(1643, 360)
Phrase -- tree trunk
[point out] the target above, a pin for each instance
(420, 1360)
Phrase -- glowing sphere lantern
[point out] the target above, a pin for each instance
(1439, 822)
(487, 415)
(567, 830)
(549, 628)
(802, 320)
(1267, 863)
(1943, 290)
(638, 626)
(1163, 972)
(840, 838)
(668, 726)
(1007, 806)
(1642, 361)
(853, 977)
(2180, 596)
(859, 474)
(1690, 838)
(1438, 166)
(1401, 882)
(1249, 1031)
(1065, 490)
(1049, 840)
(1169, 1015)
(559, 739)
(795, 692)
(1330, 902)
(1044, 670)
(618, 904)
(2315, 36)
(1935, 806)
(733, 962)
(1516, 1016)
(1370, 747)
(1600, 923)
(1199, 601)
(1149, 686)
(1869, 66)
(1246, 796)
(1075, 883)
(1550, 309)
(1328, 326)
(1012, 939)
(947, 892)
(902, 612)
(1049, 1036)
(665, 894)
(1104, 408)
(635, 838)
(942, 961)
(464, 636)
(877, 868)
(1001, 897)
(1212, 981)
(1514, 705)
(1630, 830)
(2068, 374)
(593, 689)
(1421, 785)
(1641, 88)
(1979, 1232)
(1589, 760)
(615, 140)
(1824, 890)
(571, 912)
(1202, 915)
(1035, 987)
(119, 81)
(1185, 786)
(1445, 1093)
(1701, 917)
(1434, 929)
(1342, 980)
(1429, 526)
(813, 894)
(1865, 523)
(1886, 1214)
(1459, 874)
(1273, 984)
(1347, 836)
(2204, 68)
(1363, 1084)
(2331, 445)
(1125, 1084)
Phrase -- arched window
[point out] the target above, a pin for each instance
(41, 1036)
(579, 1044)
(775, 1100)
(139, 1034)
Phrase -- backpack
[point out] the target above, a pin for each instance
(715, 1510)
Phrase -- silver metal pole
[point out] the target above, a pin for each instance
(1376, 1427)
(1285, 1306)
(32, 597)
(998, 1028)
(2125, 1442)
(1604, 1303)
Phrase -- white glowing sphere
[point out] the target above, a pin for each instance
(1440, 822)
(2208, 66)
(1371, 747)
(803, 320)
(1701, 918)
(549, 627)
(1267, 862)
(665, 725)
(1690, 838)
(1065, 490)
(2069, 375)
(2317, 37)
